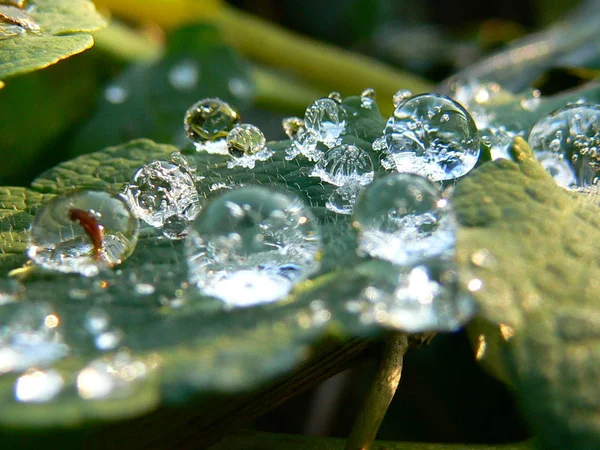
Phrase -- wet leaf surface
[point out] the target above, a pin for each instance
(535, 248)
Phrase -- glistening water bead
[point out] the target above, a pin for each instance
(345, 164)
(246, 144)
(327, 119)
(252, 245)
(162, 189)
(404, 219)
(208, 122)
(571, 135)
(83, 232)
(432, 136)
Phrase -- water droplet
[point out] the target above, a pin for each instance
(110, 377)
(83, 232)
(336, 96)
(30, 335)
(342, 200)
(400, 96)
(252, 245)
(327, 119)
(116, 94)
(367, 98)
(415, 299)
(558, 168)
(345, 164)
(184, 75)
(403, 218)
(241, 88)
(246, 143)
(306, 144)
(293, 126)
(499, 140)
(38, 386)
(208, 122)
(572, 133)
(161, 190)
(433, 136)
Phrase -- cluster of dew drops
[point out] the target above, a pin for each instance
(250, 244)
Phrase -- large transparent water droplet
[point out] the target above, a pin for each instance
(327, 119)
(30, 335)
(345, 164)
(415, 299)
(252, 245)
(208, 122)
(573, 134)
(162, 190)
(38, 386)
(83, 232)
(246, 143)
(432, 136)
(403, 218)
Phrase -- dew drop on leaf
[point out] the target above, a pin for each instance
(572, 134)
(252, 245)
(83, 232)
(327, 119)
(342, 200)
(293, 126)
(433, 136)
(367, 98)
(246, 144)
(400, 96)
(336, 96)
(415, 299)
(161, 192)
(403, 218)
(345, 164)
(208, 122)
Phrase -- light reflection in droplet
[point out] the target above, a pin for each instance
(37, 386)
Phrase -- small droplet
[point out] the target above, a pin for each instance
(293, 126)
(342, 200)
(83, 232)
(400, 96)
(327, 119)
(252, 245)
(403, 218)
(184, 75)
(246, 143)
(38, 386)
(432, 136)
(116, 94)
(208, 122)
(336, 96)
(160, 190)
(345, 164)
(367, 98)
(31, 336)
(572, 133)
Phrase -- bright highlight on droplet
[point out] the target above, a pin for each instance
(252, 245)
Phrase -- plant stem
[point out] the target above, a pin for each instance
(380, 394)
(321, 63)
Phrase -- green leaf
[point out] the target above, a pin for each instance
(535, 247)
(63, 27)
(153, 102)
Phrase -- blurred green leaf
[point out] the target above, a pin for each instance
(63, 31)
(535, 248)
(149, 100)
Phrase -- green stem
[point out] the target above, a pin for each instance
(268, 441)
(321, 63)
(380, 394)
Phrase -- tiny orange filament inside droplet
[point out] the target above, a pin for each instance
(90, 225)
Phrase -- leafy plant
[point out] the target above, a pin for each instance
(187, 359)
